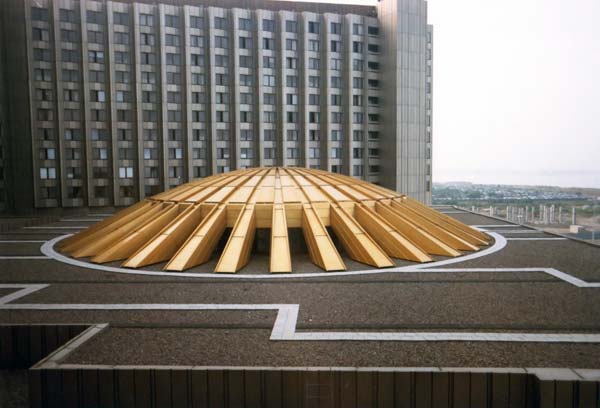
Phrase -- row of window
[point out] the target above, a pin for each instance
(148, 20)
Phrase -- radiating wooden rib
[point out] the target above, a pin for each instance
(446, 219)
(320, 247)
(280, 257)
(357, 243)
(237, 251)
(200, 245)
(132, 242)
(442, 224)
(440, 233)
(166, 243)
(387, 237)
(105, 240)
(414, 233)
(110, 224)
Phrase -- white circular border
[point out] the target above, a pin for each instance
(48, 250)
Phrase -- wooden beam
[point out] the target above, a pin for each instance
(414, 233)
(237, 251)
(112, 223)
(104, 240)
(448, 222)
(387, 237)
(281, 260)
(357, 243)
(200, 245)
(447, 237)
(320, 247)
(133, 241)
(168, 241)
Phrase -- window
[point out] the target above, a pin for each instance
(173, 97)
(146, 20)
(39, 14)
(314, 135)
(357, 117)
(291, 63)
(175, 153)
(222, 153)
(222, 116)
(198, 153)
(373, 100)
(196, 41)
(125, 172)
(314, 153)
(196, 60)
(44, 114)
(120, 18)
(357, 170)
(94, 17)
(246, 153)
(100, 153)
(245, 61)
(357, 153)
(98, 134)
(336, 99)
(270, 153)
(313, 45)
(314, 81)
(40, 34)
(293, 153)
(221, 61)
(336, 46)
(221, 42)
(357, 46)
(373, 117)
(336, 64)
(121, 57)
(373, 30)
(292, 117)
(269, 99)
(173, 78)
(68, 16)
(245, 42)
(268, 25)
(373, 135)
(314, 99)
(174, 116)
(171, 20)
(268, 44)
(357, 29)
(336, 135)
(172, 40)
(173, 59)
(335, 28)
(357, 83)
(291, 26)
(269, 116)
(246, 80)
(373, 47)
(97, 96)
(291, 81)
(314, 27)
(245, 24)
(96, 56)
(268, 62)
(357, 64)
(373, 83)
(121, 38)
(245, 116)
(357, 100)
(147, 58)
(313, 117)
(336, 117)
(292, 99)
(196, 22)
(292, 135)
(269, 135)
(72, 134)
(42, 74)
(291, 45)
(374, 152)
(48, 173)
(40, 54)
(124, 135)
(246, 135)
(221, 23)
(245, 98)
(43, 94)
(314, 63)
(268, 80)
(68, 36)
(197, 79)
(148, 96)
(336, 82)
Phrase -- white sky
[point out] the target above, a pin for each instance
(516, 91)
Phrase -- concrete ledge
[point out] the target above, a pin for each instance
(52, 383)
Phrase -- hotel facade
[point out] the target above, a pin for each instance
(103, 103)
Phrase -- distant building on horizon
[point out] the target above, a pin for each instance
(103, 103)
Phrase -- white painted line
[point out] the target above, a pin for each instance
(24, 257)
(53, 228)
(536, 239)
(24, 241)
(453, 212)
(48, 250)
(284, 328)
(494, 226)
(26, 289)
(524, 231)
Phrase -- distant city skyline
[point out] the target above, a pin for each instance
(516, 91)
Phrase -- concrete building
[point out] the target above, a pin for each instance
(113, 101)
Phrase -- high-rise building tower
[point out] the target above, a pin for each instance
(105, 102)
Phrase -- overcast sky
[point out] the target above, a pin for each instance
(516, 91)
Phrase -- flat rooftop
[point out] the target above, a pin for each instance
(530, 300)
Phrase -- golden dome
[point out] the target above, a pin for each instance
(182, 226)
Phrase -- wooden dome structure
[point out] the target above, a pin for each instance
(182, 226)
